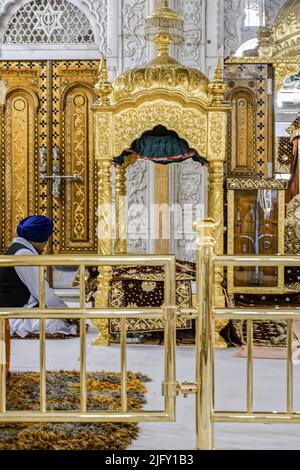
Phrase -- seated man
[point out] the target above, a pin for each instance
(19, 286)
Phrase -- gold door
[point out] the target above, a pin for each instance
(74, 209)
(46, 130)
(24, 102)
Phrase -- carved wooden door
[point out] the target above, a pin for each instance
(46, 130)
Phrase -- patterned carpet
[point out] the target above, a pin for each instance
(63, 394)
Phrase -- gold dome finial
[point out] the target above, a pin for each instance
(164, 27)
(217, 87)
(103, 86)
(286, 30)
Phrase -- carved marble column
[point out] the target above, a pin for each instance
(121, 219)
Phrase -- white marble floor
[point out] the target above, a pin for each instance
(230, 391)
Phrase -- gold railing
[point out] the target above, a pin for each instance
(204, 315)
(167, 312)
(207, 262)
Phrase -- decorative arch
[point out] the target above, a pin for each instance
(241, 126)
(19, 117)
(250, 44)
(53, 29)
(84, 86)
(190, 124)
(44, 22)
(26, 92)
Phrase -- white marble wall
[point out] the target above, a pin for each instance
(235, 30)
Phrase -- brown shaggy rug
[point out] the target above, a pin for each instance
(63, 393)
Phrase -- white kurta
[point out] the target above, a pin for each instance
(30, 277)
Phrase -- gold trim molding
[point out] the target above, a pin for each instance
(253, 183)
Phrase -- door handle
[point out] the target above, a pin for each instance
(55, 177)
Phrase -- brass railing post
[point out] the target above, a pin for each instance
(205, 335)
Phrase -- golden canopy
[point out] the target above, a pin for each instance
(286, 30)
(162, 73)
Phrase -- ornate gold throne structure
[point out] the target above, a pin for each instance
(165, 93)
(257, 85)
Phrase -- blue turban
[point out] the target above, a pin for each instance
(35, 228)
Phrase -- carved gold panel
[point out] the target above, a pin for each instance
(241, 143)
(250, 129)
(75, 208)
(24, 101)
(78, 197)
(191, 124)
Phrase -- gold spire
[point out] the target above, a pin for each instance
(103, 86)
(164, 27)
(217, 87)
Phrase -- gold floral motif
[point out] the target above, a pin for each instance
(217, 127)
(75, 210)
(104, 211)
(23, 100)
(80, 167)
(78, 224)
(170, 76)
(20, 178)
(256, 183)
(103, 139)
(283, 71)
(19, 131)
(292, 227)
(189, 123)
(286, 30)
